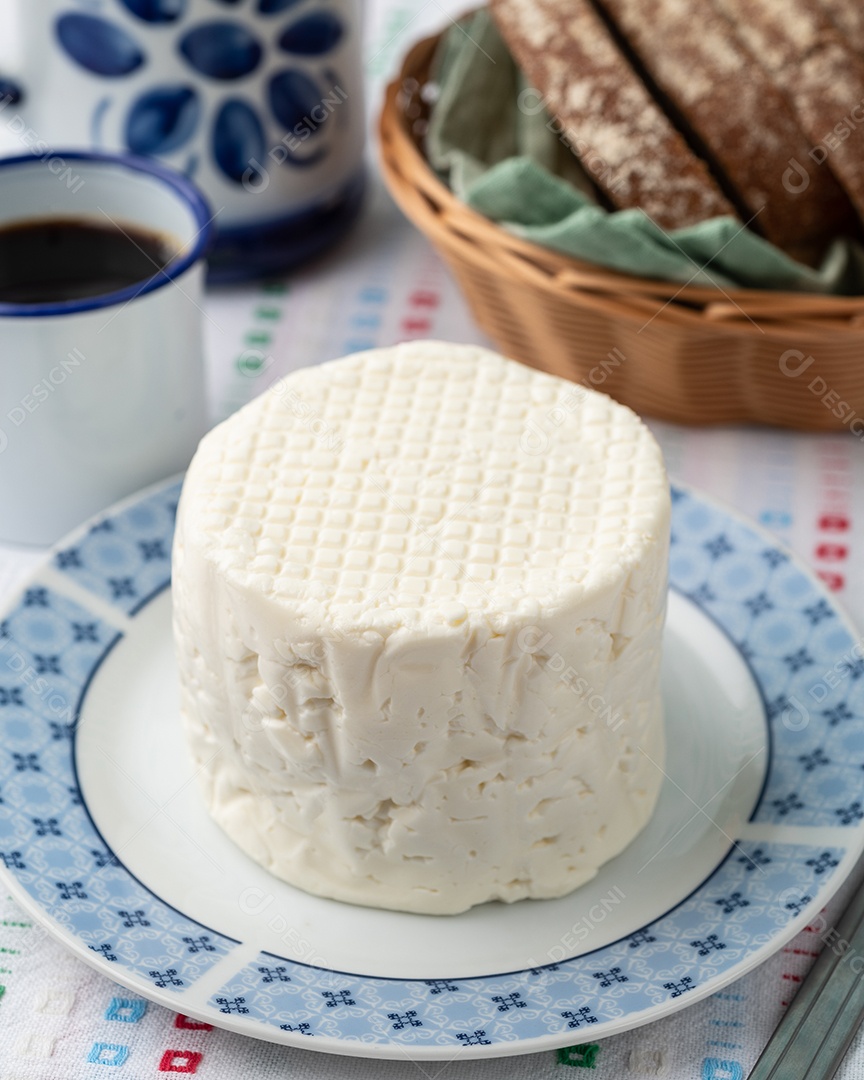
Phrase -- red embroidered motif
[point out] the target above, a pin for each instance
(835, 582)
(424, 298)
(186, 1023)
(412, 324)
(180, 1061)
(834, 523)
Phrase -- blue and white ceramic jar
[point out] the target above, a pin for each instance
(259, 101)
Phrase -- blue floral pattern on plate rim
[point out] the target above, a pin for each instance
(804, 835)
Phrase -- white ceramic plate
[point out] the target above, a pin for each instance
(104, 839)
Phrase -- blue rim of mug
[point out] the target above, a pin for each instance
(180, 186)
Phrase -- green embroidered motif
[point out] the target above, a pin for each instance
(579, 1057)
(258, 337)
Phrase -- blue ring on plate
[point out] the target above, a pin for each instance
(183, 188)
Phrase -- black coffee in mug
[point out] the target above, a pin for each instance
(52, 260)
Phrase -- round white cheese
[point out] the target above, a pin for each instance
(419, 597)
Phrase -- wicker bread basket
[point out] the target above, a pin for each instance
(688, 354)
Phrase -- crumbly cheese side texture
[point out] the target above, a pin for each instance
(419, 597)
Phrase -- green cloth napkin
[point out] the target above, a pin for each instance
(492, 141)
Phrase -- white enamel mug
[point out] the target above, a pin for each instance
(103, 395)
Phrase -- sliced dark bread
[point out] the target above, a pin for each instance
(799, 46)
(609, 118)
(737, 119)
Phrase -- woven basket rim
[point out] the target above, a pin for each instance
(413, 183)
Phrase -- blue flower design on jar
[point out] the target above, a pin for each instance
(222, 51)
(156, 11)
(238, 138)
(98, 45)
(162, 120)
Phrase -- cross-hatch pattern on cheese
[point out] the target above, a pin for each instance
(419, 598)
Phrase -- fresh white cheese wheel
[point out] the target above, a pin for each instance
(419, 597)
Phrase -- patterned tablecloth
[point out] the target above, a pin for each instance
(59, 1020)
